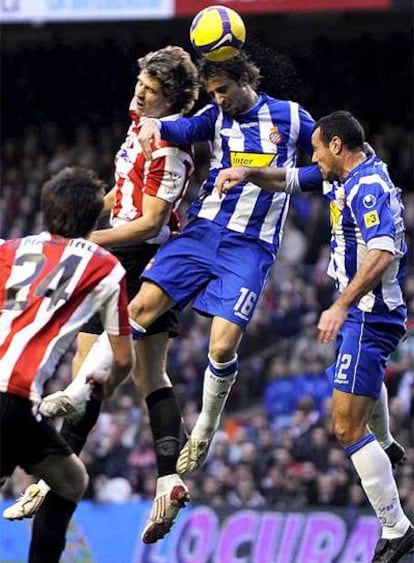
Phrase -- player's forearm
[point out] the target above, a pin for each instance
(138, 230)
(289, 180)
(118, 374)
(185, 130)
(366, 278)
(109, 200)
(123, 361)
(269, 179)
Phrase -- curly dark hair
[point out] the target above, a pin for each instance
(72, 201)
(177, 74)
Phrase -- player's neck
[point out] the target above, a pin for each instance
(353, 160)
(251, 98)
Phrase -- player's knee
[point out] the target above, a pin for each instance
(341, 432)
(74, 485)
(221, 351)
(80, 484)
(345, 431)
(136, 308)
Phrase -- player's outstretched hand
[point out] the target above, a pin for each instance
(150, 131)
(230, 177)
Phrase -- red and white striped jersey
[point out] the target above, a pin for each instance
(49, 287)
(166, 176)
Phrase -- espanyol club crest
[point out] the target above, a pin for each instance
(275, 136)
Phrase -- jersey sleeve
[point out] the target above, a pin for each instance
(199, 127)
(310, 178)
(304, 179)
(167, 174)
(114, 311)
(371, 208)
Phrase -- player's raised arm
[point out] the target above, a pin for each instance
(150, 131)
(270, 179)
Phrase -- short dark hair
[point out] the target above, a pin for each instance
(177, 74)
(234, 68)
(344, 125)
(72, 201)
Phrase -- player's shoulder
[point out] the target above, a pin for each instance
(371, 175)
(105, 262)
(167, 149)
(283, 108)
(7, 246)
(211, 109)
(372, 165)
(29, 240)
(272, 101)
(4, 244)
(87, 248)
(101, 253)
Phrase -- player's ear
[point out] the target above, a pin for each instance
(336, 145)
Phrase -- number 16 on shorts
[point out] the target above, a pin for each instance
(245, 304)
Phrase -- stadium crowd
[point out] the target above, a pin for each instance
(276, 446)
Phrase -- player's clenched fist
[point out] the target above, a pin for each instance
(150, 131)
(230, 177)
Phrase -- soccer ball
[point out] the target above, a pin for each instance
(217, 33)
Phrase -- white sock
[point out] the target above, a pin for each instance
(216, 389)
(379, 422)
(98, 360)
(165, 483)
(374, 469)
(43, 486)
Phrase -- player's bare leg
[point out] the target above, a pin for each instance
(219, 377)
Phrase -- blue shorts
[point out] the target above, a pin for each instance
(363, 348)
(223, 272)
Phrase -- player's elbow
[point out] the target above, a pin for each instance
(151, 226)
(388, 257)
(154, 229)
(383, 258)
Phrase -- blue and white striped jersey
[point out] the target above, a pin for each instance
(367, 213)
(268, 134)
